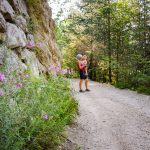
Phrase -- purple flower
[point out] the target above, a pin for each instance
(52, 68)
(2, 77)
(64, 71)
(2, 93)
(19, 85)
(45, 116)
(59, 65)
(57, 68)
(26, 76)
(30, 44)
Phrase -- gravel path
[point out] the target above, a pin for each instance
(111, 119)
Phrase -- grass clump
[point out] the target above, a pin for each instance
(33, 113)
(31, 26)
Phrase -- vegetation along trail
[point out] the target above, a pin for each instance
(111, 119)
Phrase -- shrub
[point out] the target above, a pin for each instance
(123, 85)
(143, 89)
(139, 82)
(33, 113)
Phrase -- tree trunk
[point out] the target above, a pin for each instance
(109, 46)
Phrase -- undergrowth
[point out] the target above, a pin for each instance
(33, 113)
(139, 83)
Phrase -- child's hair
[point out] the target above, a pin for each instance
(84, 56)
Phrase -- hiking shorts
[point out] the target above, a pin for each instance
(83, 75)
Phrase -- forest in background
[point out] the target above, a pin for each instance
(115, 35)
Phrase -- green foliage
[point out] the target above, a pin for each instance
(78, 148)
(33, 115)
(116, 37)
(143, 89)
(36, 11)
(61, 34)
(31, 26)
(138, 81)
(124, 85)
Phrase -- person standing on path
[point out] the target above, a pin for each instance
(82, 70)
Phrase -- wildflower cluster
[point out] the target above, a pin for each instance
(34, 112)
(12, 82)
(58, 70)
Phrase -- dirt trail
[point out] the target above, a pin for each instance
(111, 119)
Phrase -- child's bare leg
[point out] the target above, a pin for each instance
(86, 83)
(80, 84)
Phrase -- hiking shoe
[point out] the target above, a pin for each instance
(87, 90)
(81, 91)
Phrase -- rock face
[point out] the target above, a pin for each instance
(2, 23)
(15, 36)
(27, 38)
(31, 60)
(7, 10)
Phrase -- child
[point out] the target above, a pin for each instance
(85, 64)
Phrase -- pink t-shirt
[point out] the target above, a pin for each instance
(82, 64)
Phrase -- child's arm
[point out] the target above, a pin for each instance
(80, 65)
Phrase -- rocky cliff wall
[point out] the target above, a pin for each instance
(27, 38)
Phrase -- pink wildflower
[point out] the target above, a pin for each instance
(59, 65)
(30, 44)
(57, 68)
(64, 71)
(19, 85)
(52, 68)
(26, 76)
(2, 77)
